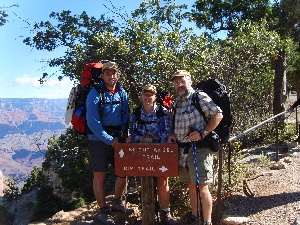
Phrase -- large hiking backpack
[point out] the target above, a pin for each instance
(217, 92)
(76, 108)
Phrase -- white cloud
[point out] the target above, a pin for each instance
(29, 87)
(26, 80)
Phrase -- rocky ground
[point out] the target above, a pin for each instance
(272, 196)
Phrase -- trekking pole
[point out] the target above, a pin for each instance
(197, 177)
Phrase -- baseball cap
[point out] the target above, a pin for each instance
(149, 88)
(109, 65)
(181, 73)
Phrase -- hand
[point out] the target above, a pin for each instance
(195, 136)
(115, 141)
(172, 138)
(129, 139)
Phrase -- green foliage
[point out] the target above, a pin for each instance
(77, 203)
(67, 156)
(264, 160)
(47, 204)
(2, 17)
(179, 197)
(223, 15)
(3, 13)
(34, 181)
(11, 192)
(232, 178)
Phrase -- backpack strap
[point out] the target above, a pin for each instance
(196, 103)
(102, 101)
(138, 111)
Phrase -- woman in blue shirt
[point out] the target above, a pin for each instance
(153, 123)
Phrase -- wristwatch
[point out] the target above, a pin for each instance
(204, 133)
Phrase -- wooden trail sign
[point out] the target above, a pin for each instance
(146, 159)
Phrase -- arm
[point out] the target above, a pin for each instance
(125, 112)
(212, 124)
(93, 118)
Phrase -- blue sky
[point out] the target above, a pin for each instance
(22, 66)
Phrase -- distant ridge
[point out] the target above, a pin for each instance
(26, 124)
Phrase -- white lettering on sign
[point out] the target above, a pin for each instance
(138, 149)
(128, 168)
(163, 169)
(162, 150)
(148, 168)
(121, 153)
(151, 156)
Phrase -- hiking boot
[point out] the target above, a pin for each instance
(118, 206)
(192, 220)
(207, 223)
(166, 218)
(104, 216)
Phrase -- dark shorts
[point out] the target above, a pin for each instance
(100, 155)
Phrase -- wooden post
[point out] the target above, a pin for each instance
(148, 200)
(148, 196)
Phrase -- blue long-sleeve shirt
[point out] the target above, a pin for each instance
(112, 114)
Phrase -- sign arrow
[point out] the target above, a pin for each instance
(121, 153)
(163, 169)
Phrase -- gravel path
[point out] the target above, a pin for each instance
(276, 197)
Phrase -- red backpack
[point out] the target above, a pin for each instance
(76, 108)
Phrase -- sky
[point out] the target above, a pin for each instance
(22, 66)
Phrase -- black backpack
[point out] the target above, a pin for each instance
(217, 92)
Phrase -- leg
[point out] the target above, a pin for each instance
(120, 187)
(98, 186)
(163, 192)
(206, 201)
(193, 198)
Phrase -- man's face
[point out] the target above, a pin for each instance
(182, 85)
(110, 78)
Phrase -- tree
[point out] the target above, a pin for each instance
(34, 181)
(224, 15)
(3, 14)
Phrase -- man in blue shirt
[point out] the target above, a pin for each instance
(107, 115)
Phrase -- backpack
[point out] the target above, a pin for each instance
(76, 107)
(217, 92)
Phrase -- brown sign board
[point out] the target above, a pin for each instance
(146, 159)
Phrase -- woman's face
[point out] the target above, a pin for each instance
(148, 98)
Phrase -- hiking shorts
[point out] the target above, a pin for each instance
(100, 155)
(204, 164)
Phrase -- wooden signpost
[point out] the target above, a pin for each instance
(147, 160)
